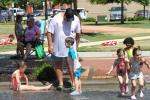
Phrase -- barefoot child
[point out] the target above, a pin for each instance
(122, 64)
(18, 30)
(18, 74)
(7, 40)
(129, 42)
(136, 64)
(75, 65)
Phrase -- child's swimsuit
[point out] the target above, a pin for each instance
(19, 29)
(121, 68)
(136, 70)
(130, 54)
(4, 41)
(14, 81)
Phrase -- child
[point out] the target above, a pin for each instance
(7, 40)
(129, 42)
(136, 64)
(18, 74)
(75, 65)
(122, 65)
(18, 30)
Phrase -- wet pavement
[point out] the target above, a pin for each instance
(103, 92)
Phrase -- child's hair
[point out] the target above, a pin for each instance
(21, 64)
(18, 17)
(119, 51)
(134, 52)
(70, 39)
(130, 40)
(11, 36)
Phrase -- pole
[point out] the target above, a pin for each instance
(46, 10)
(144, 12)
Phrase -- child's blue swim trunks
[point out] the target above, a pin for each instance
(78, 72)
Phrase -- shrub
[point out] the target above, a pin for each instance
(90, 19)
(82, 20)
(146, 18)
(149, 18)
(45, 72)
(139, 18)
(129, 18)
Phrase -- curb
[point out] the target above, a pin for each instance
(8, 85)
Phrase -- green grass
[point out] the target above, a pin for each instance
(99, 48)
(111, 36)
(7, 29)
(128, 24)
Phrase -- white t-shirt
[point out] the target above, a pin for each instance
(61, 29)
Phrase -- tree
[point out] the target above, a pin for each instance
(4, 3)
(145, 2)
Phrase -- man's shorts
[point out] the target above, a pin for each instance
(78, 73)
(26, 42)
(55, 58)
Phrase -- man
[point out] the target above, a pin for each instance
(63, 25)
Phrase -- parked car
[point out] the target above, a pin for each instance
(37, 13)
(54, 12)
(49, 12)
(21, 12)
(83, 13)
(115, 13)
(3, 16)
(42, 12)
(60, 11)
(14, 10)
(141, 13)
(10, 14)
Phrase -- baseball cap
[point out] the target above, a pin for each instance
(31, 19)
(69, 14)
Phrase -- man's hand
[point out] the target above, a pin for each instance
(77, 48)
(74, 71)
(51, 49)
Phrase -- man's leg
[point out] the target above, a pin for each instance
(58, 70)
(70, 71)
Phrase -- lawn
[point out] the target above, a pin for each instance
(99, 48)
(128, 24)
(99, 37)
(7, 29)
(111, 36)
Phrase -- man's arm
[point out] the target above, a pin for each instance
(50, 47)
(78, 35)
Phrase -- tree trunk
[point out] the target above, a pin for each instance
(45, 9)
(122, 13)
(0, 2)
(144, 12)
(75, 6)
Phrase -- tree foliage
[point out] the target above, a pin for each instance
(143, 2)
(57, 2)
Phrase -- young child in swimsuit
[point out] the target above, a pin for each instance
(7, 40)
(18, 74)
(136, 64)
(122, 65)
(129, 42)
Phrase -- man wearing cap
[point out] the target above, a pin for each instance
(29, 37)
(63, 25)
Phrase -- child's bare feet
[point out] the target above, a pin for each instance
(49, 86)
